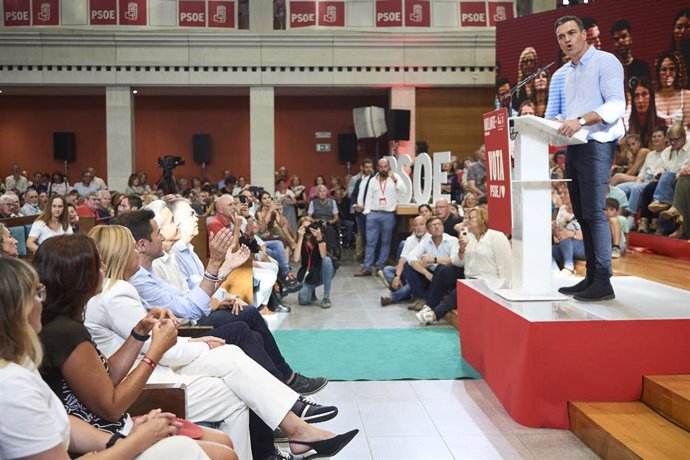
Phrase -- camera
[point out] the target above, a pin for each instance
(169, 162)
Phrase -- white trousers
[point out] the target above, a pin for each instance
(267, 274)
(225, 383)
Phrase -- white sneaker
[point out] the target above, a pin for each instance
(566, 273)
(425, 308)
(425, 317)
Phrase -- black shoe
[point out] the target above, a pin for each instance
(328, 447)
(579, 287)
(291, 285)
(307, 385)
(597, 292)
(279, 436)
(280, 308)
(311, 412)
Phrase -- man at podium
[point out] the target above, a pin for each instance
(595, 102)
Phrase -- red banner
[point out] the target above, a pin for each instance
(45, 13)
(16, 13)
(221, 13)
(473, 14)
(192, 13)
(102, 12)
(302, 14)
(500, 11)
(332, 14)
(498, 170)
(417, 13)
(132, 12)
(389, 13)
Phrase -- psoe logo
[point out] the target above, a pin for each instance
(490, 123)
(44, 13)
(331, 14)
(417, 14)
(132, 11)
(221, 15)
(500, 14)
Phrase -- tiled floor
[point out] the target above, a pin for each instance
(426, 420)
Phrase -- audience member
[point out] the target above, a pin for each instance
(26, 398)
(73, 217)
(39, 184)
(541, 93)
(30, 207)
(621, 33)
(298, 191)
(133, 187)
(87, 185)
(434, 250)
(476, 175)
(359, 191)
(316, 266)
(58, 184)
(379, 198)
(674, 158)
(448, 219)
(644, 117)
(53, 221)
(323, 207)
(394, 275)
(593, 33)
(527, 64)
(9, 247)
(89, 208)
(16, 181)
(672, 97)
(286, 198)
(680, 41)
(483, 253)
(619, 227)
(679, 212)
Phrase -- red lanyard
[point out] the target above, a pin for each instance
(309, 250)
(383, 187)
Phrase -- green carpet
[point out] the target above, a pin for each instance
(376, 354)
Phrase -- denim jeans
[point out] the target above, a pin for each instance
(665, 187)
(419, 284)
(380, 225)
(634, 191)
(589, 168)
(567, 250)
(403, 292)
(327, 273)
(276, 250)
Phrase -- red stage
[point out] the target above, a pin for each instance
(536, 356)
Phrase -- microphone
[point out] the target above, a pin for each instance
(529, 79)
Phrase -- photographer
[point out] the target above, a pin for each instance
(167, 182)
(316, 265)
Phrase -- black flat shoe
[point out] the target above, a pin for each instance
(597, 292)
(328, 447)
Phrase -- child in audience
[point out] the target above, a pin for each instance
(619, 227)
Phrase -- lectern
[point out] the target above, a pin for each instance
(531, 208)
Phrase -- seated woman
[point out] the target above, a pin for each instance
(34, 423)
(316, 265)
(679, 212)
(8, 245)
(483, 253)
(568, 236)
(634, 154)
(274, 226)
(53, 220)
(94, 388)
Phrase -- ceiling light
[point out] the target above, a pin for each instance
(134, 91)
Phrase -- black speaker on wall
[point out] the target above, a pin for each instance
(201, 144)
(347, 147)
(399, 125)
(64, 146)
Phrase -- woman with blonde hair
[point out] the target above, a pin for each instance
(221, 380)
(527, 64)
(53, 221)
(8, 245)
(28, 403)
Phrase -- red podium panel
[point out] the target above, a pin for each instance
(535, 367)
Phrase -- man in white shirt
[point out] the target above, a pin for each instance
(400, 290)
(674, 158)
(98, 182)
(380, 202)
(30, 207)
(435, 249)
(87, 185)
(16, 181)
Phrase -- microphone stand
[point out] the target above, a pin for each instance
(513, 133)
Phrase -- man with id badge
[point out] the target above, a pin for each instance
(380, 201)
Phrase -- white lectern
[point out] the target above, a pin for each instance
(531, 208)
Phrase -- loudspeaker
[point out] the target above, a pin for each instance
(202, 147)
(64, 146)
(347, 148)
(399, 126)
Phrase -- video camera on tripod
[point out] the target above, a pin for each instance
(167, 164)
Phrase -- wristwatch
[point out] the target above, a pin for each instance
(582, 121)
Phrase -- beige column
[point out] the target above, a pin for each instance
(262, 136)
(539, 6)
(119, 119)
(404, 99)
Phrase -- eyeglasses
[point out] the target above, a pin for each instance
(41, 294)
(674, 139)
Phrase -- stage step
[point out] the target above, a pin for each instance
(627, 430)
(670, 396)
